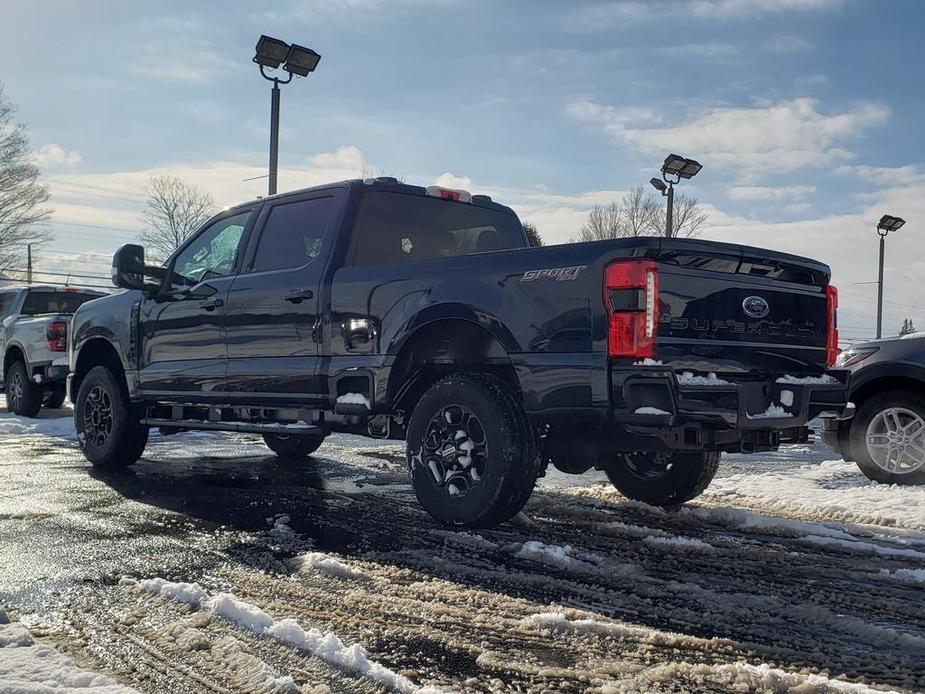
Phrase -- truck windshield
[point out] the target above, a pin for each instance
(38, 302)
(399, 228)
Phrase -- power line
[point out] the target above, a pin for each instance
(98, 226)
(66, 192)
(58, 274)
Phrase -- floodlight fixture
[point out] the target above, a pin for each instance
(271, 52)
(301, 60)
(659, 185)
(680, 167)
(890, 223)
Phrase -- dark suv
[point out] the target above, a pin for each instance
(886, 437)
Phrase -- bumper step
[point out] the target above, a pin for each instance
(237, 427)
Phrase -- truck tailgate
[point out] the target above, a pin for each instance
(731, 311)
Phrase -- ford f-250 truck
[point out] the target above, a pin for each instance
(420, 314)
(33, 342)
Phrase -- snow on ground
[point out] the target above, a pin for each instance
(326, 645)
(48, 424)
(27, 667)
(833, 490)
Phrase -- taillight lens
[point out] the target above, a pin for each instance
(831, 325)
(56, 336)
(631, 298)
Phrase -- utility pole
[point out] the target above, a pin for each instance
(669, 216)
(28, 263)
(274, 136)
(880, 288)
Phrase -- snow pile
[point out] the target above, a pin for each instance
(832, 491)
(353, 399)
(648, 362)
(319, 561)
(14, 425)
(774, 411)
(556, 555)
(326, 645)
(905, 575)
(688, 378)
(649, 410)
(27, 667)
(824, 380)
(280, 530)
(859, 547)
(677, 542)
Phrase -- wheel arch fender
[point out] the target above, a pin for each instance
(886, 376)
(98, 349)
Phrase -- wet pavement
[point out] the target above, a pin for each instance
(585, 591)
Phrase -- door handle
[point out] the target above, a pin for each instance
(296, 296)
(212, 304)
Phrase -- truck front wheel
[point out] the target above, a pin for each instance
(471, 451)
(663, 479)
(108, 424)
(23, 397)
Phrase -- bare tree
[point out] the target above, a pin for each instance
(533, 236)
(22, 197)
(639, 207)
(603, 222)
(688, 221)
(174, 210)
(641, 213)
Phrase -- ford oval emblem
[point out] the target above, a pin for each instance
(755, 306)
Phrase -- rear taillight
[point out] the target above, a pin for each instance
(631, 298)
(831, 325)
(56, 336)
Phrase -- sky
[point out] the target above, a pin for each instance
(806, 114)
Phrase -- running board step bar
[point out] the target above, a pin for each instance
(238, 427)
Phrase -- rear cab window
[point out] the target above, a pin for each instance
(399, 228)
(39, 301)
(293, 234)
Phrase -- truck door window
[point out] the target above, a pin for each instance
(211, 254)
(6, 303)
(400, 228)
(293, 234)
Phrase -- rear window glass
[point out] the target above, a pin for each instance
(399, 228)
(38, 302)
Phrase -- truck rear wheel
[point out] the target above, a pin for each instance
(23, 397)
(663, 479)
(471, 452)
(293, 446)
(108, 424)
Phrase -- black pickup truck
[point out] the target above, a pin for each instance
(415, 313)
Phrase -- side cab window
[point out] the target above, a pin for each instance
(212, 253)
(7, 299)
(293, 234)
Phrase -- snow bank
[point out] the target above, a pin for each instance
(14, 425)
(326, 645)
(30, 668)
(557, 555)
(833, 491)
(688, 378)
(905, 575)
(319, 561)
(677, 542)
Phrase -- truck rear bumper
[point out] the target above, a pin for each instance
(713, 414)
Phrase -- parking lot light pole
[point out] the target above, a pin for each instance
(674, 169)
(296, 61)
(886, 224)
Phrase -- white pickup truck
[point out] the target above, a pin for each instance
(34, 325)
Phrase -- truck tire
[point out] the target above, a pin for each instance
(471, 451)
(663, 479)
(55, 397)
(887, 437)
(23, 397)
(108, 424)
(293, 446)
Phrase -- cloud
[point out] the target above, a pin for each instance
(769, 192)
(702, 50)
(781, 137)
(788, 44)
(885, 175)
(612, 12)
(55, 156)
(448, 180)
(347, 158)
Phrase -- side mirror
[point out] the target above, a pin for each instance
(128, 267)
